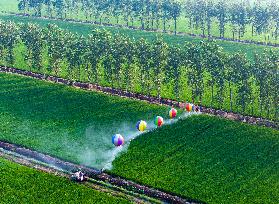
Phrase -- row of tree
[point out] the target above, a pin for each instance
(236, 17)
(203, 70)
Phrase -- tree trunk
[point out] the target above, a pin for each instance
(212, 93)
(175, 26)
(230, 96)
(117, 20)
(142, 23)
(164, 24)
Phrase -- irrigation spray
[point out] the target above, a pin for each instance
(98, 151)
(102, 158)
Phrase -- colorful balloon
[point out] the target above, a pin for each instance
(189, 107)
(141, 125)
(159, 121)
(173, 113)
(118, 140)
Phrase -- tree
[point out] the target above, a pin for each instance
(221, 14)
(55, 47)
(175, 11)
(23, 6)
(159, 61)
(261, 19)
(214, 61)
(33, 38)
(193, 60)
(242, 73)
(210, 13)
(238, 19)
(165, 12)
(144, 53)
(173, 72)
(74, 52)
(130, 50)
(9, 37)
(98, 43)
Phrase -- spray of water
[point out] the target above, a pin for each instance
(97, 149)
(132, 134)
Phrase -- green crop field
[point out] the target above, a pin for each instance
(198, 157)
(207, 158)
(73, 124)
(20, 184)
(202, 157)
(85, 29)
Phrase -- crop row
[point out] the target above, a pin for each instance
(204, 157)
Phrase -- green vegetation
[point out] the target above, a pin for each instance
(76, 125)
(237, 20)
(9, 5)
(86, 29)
(20, 184)
(198, 157)
(200, 73)
(207, 158)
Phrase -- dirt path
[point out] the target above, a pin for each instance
(96, 179)
(169, 32)
(162, 101)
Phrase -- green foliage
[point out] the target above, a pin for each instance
(86, 29)
(125, 63)
(196, 16)
(32, 37)
(206, 158)
(20, 184)
(9, 36)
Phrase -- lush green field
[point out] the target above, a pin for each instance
(85, 29)
(73, 124)
(20, 184)
(207, 158)
(9, 5)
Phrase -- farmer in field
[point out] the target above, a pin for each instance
(78, 176)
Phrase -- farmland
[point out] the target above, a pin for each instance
(106, 71)
(208, 158)
(196, 154)
(20, 184)
(72, 124)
